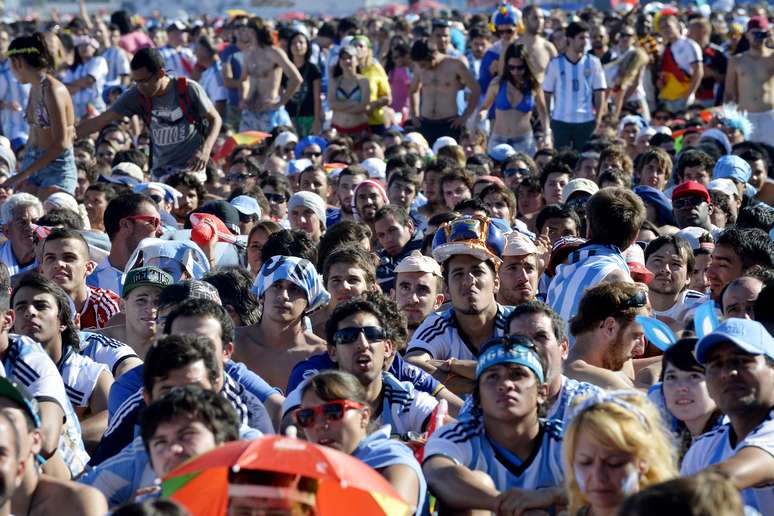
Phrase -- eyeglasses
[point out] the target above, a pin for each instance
(760, 34)
(329, 412)
(519, 68)
(509, 172)
(638, 300)
(276, 198)
(350, 335)
(157, 199)
(238, 176)
(688, 202)
(148, 219)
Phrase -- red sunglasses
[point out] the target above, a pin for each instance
(150, 219)
(330, 411)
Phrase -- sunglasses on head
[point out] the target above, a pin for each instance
(638, 300)
(350, 335)
(329, 412)
(277, 198)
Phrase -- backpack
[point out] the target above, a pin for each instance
(186, 105)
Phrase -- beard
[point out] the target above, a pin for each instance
(619, 351)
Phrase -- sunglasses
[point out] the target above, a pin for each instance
(157, 199)
(276, 198)
(149, 219)
(311, 154)
(760, 34)
(238, 176)
(506, 31)
(519, 68)
(329, 412)
(687, 202)
(350, 335)
(509, 172)
(638, 300)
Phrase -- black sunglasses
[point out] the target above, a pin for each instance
(276, 198)
(508, 172)
(638, 300)
(520, 67)
(688, 202)
(350, 335)
(312, 154)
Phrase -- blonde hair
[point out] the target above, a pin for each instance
(630, 65)
(633, 427)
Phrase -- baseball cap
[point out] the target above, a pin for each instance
(749, 335)
(285, 138)
(145, 276)
(296, 166)
(377, 168)
(246, 205)
(691, 189)
(188, 289)
(417, 262)
(501, 152)
(126, 173)
(517, 244)
(15, 391)
(732, 167)
(176, 25)
(579, 185)
(443, 141)
(224, 211)
(635, 260)
(725, 186)
(758, 22)
(693, 235)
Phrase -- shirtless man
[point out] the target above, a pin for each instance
(437, 79)
(606, 335)
(273, 345)
(40, 494)
(750, 81)
(539, 49)
(263, 108)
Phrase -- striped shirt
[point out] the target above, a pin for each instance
(80, 375)
(178, 62)
(118, 65)
(12, 123)
(585, 268)
(212, 82)
(9, 259)
(439, 337)
(88, 102)
(99, 307)
(105, 350)
(572, 86)
(467, 444)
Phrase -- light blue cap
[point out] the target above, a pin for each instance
(749, 335)
(732, 167)
(246, 205)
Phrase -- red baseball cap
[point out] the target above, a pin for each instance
(691, 189)
(758, 22)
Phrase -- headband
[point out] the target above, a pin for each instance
(17, 51)
(510, 354)
(614, 397)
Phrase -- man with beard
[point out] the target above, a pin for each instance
(418, 289)
(447, 343)
(348, 180)
(692, 206)
(606, 335)
(369, 195)
(39, 494)
(288, 288)
(738, 357)
(129, 218)
(750, 81)
(363, 335)
(539, 49)
(19, 213)
(671, 260)
(519, 272)
(507, 460)
(736, 251)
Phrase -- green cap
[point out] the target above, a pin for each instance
(142, 276)
(15, 391)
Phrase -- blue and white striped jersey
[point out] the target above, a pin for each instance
(572, 86)
(715, 447)
(438, 335)
(404, 408)
(90, 97)
(212, 82)
(178, 62)
(80, 374)
(9, 259)
(585, 268)
(13, 124)
(105, 350)
(118, 65)
(467, 444)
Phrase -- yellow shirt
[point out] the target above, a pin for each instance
(379, 86)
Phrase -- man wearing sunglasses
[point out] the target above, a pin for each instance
(507, 460)
(129, 218)
(447, 343)
(692, 206)
(363, 334)
(750, 80)
(607, 336)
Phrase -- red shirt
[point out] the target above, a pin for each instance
(100, 306)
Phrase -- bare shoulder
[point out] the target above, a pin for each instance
(81, 499)
(314, 341)
(248, 334)
(585, 372)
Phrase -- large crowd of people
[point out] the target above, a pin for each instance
(516, 262)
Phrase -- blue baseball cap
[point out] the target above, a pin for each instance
(510, 349)
(501, 152)
(749, 335)
(246, 205)
(732, 167)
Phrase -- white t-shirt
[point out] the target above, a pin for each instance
(686, 52)
(97, 69)
(687, 300)
(715, 447)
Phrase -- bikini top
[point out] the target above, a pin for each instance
(353, 94)
(37, 115)
(503, 104)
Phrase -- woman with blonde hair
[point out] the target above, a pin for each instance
(625, 76)
(615, 445)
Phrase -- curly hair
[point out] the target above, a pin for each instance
(383, 308)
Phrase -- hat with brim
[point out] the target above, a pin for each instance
(750, 336)
(17, 392)
(145, 276)
(472, 248)
(417, 262)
